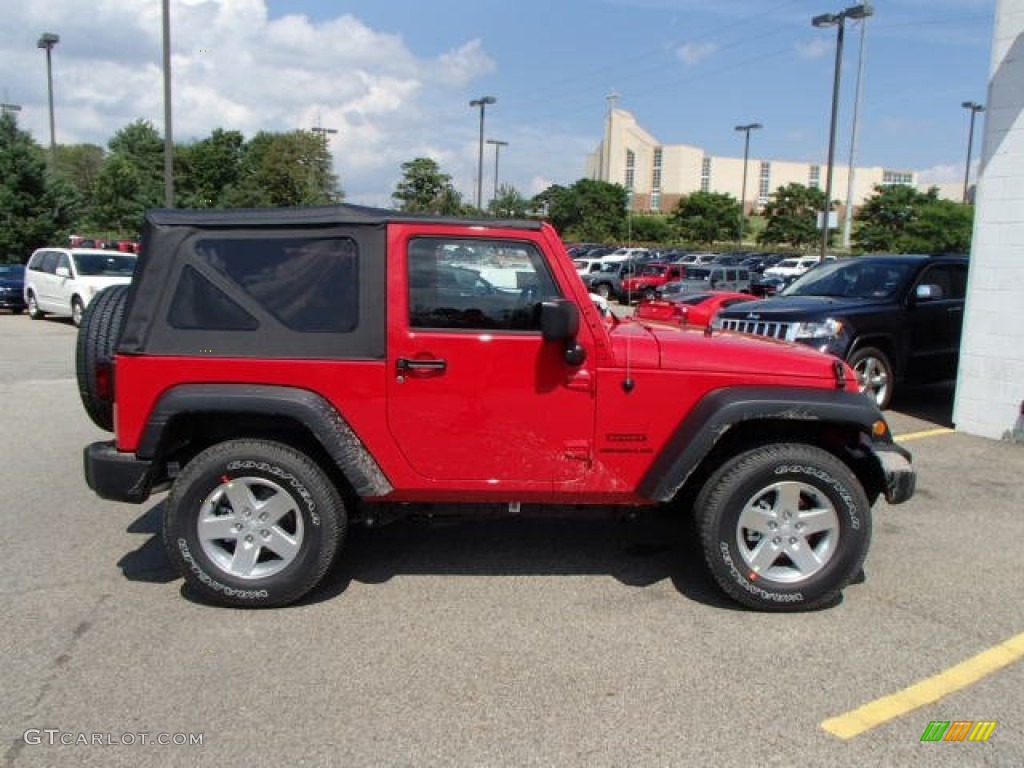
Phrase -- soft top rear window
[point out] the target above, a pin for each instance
(308, 284)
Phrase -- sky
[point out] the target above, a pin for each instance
(394, 78)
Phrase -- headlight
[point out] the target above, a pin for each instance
(826, 329)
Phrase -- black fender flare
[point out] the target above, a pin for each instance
(721, 410)
(308, 408)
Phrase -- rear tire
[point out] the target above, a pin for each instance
(784, 527)
(253, 524)
(33, 307)
(98, 334)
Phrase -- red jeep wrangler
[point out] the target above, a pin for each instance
(644, 285)
(288, 372)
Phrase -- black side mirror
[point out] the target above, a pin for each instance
(560, 322)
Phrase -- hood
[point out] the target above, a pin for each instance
(789, 307)
(98, 282)
(12, 282)
(685, 349)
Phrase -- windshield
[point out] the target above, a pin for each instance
(788, 263)
(652, 271)
(106, 264)
(852, 280)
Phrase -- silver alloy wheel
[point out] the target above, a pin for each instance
(250, 527)
(76, 312)
(33, 305)
(873, 378)
(787, 532)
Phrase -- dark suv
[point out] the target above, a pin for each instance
(285, 373)
(892, 318)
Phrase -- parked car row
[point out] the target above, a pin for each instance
(62, 281)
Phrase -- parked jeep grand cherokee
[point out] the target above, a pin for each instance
(892, 318)
(288, 372)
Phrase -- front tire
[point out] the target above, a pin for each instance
(77, 310)
(253, 523)
(784, 527)
(874, 375)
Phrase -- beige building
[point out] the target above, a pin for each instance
(659, 175)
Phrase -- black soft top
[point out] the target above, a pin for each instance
(322, 215)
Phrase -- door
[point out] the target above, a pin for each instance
(936, 324)
(474, 392)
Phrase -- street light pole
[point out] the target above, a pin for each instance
(168, 135)
(975, 108)
(482, 102)
(837, 20)
(858, 92)
(743, 190)
(497, 150)
(47, 41)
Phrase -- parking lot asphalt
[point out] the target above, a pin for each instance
(489, 643)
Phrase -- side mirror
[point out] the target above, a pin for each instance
(559, 320)
(928, 292)
(63, 272)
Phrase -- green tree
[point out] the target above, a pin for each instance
(509, 203)
(588, 210)
(283, 169)
(900, 219)
(206, 169)
(651, 228)
(424, 188)
(792, 216)
(708, 217)
(33, 208)
(130, 181)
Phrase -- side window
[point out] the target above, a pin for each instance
(49, 262)
(36, 260)
(309, 284)
(63, 261)
(469, 284)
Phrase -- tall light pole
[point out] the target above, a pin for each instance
(743, 190)
(858, 92)
(497, 150)
(482, 102)
(975, 109)
(47, 41)
(168, 135)
(837, 20)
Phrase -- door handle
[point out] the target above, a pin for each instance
(405, 364)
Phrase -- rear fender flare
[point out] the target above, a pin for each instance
(308, 408)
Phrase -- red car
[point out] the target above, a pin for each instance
(696, 309)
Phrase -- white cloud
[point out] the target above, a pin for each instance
(235, 67)
(941, 174)
(691, 53)
(814, 49)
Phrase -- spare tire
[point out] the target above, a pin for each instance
(98, 335)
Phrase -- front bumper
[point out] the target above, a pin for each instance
(898, 472)
(115, 475)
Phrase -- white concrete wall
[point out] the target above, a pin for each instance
(990, 388)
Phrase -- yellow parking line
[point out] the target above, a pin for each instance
(857, 721)
(925, 433)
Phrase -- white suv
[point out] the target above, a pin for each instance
(62, 281)
(795, 267)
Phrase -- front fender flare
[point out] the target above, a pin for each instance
(719, 411)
